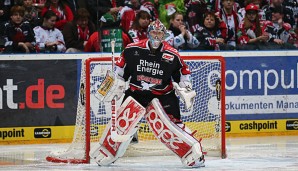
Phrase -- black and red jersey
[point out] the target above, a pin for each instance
(150, 71)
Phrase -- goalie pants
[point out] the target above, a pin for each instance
(169, 101)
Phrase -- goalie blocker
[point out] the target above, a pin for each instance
(182, 143)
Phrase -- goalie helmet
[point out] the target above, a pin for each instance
(156, 32)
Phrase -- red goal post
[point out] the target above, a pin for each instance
(207, 115)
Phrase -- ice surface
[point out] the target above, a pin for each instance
(252, 153)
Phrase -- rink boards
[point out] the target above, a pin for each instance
(41, 134)
(38, 94)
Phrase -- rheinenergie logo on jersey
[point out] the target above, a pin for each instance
(150, 67)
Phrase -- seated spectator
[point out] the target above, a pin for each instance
(62, 11)
(257, 3)
(92, 44)
(74, 5)
(5, 11)
(212, 33)
(39, 4)
(167, 8)
(250, 33)
(229, 15)
(48, 38)
(183, 39)
(288, 16)
(194, 13)
(77, 32)
(265, 2)
(217, 5)
(18, 34)
(100, 41)
(294, 5)
(127, 14)
(138, 30)
(31, 13)
(280, 32)
(98, 8)
(148, 6)
(295, 36)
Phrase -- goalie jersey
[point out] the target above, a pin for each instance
(150, 71)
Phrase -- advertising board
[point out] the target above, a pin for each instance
(264, 87)
(38, 92)
(38, 98)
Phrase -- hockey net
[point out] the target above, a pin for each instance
(207, 115)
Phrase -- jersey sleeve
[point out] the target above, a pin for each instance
(182, 72)
(120, 67)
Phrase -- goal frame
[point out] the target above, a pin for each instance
(87, 65)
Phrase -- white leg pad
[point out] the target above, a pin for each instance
(183, 144)
(105, 155)
(128, 116)
(191, 157)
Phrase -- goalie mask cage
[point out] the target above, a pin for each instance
(207, 116)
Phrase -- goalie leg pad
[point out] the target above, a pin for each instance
(183, 144)
(105, 154)
(128, 116)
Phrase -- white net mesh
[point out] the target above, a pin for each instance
(205, 115)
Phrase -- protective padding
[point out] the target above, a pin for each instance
(186, 94)
(184, 145)
(128, 116)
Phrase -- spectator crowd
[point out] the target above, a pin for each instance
(72, 26)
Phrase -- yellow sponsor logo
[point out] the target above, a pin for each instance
(42, 133)
(106, 86)
(295, 125)
(258, 125)
(12, 133)
(292, 125)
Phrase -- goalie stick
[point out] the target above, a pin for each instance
(114, 134)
